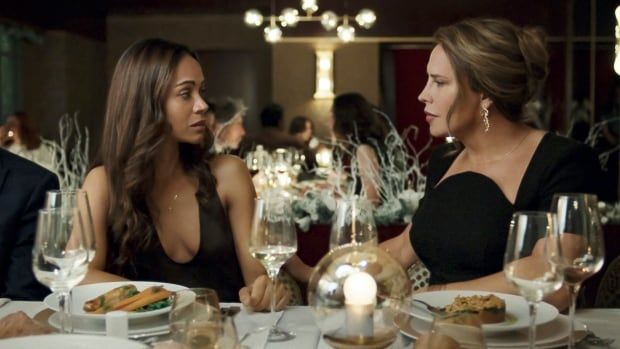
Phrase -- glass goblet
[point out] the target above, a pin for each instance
(581, 240)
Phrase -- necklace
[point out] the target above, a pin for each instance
(174, 199)
(503, 156)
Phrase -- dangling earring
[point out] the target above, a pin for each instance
(484, 112)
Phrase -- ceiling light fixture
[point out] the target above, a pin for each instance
(289, 17)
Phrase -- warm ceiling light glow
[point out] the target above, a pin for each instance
(324, 74)
(617, 59)
(290, 17)
(253, 18)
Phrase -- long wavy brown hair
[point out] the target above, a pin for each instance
(134, 131)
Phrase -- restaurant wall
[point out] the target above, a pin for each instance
(212, 36)
(64, 74)
(356, 69)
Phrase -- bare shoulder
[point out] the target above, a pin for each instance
(365, 149)
(228, 168)
(96, 181)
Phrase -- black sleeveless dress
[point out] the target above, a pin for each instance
(461, 226)
(215, 265)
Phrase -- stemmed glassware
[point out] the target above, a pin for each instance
(195, 318)
(529, 262)
(76, 199)
(353, 223)
(60, 256)
(273, 241)
(581, 239)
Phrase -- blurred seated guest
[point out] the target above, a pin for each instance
(210, 115)
(360, 131)
(271, 135)
(302, 128)
(18, 324)
(481, 73)
(22, 193)
(165, 208)
(22, 138)
(228, 129)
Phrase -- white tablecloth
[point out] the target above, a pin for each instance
(604, 322)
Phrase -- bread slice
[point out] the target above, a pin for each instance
(489, 308)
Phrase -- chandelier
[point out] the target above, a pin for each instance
(290, 17)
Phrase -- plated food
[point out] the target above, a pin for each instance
(516, 308)
(489, 308)
(128, 298)
(98, 295)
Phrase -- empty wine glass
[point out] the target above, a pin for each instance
(532, 245)
(76, 199)
(60, 257)
(581, 239)
(353, 223)
(273, 241)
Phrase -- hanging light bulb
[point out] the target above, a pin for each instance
(289, 17)
(329, 20)
(365, 18)
(346, 32)
(310, 6)
(253, 18)
(273, 33)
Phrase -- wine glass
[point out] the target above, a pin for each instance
(76, 199)
(581, 239)
(273, 241)
(461, 330)
(353, 223)
(60, 257)
(532, 246)
(195, 317)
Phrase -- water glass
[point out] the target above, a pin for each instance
(60, 257)
(532, 246)
(195, 316)
(581, 239)
(353, 223)
(463, 330)
(76, 199)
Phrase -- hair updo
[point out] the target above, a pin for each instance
(499, 59)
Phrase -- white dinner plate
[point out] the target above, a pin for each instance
(83, 293)
(517, 311)
(550, 335)
(157, 325)
(69, 341)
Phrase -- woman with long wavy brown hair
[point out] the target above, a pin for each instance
(161, 201)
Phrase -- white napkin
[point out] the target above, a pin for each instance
(257, 325)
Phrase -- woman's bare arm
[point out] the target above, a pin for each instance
(369, 172)
(235, 187)
(96, 187)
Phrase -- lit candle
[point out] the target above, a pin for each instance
(360, 290)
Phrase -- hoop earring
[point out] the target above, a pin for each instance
(484, 112)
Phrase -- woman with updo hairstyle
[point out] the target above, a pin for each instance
(165, 208)
(481, 74)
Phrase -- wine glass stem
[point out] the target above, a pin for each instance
(573, 290)
(64, 305)
(273, 276)
(532, 332)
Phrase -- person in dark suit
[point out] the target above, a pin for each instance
(22, 193)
